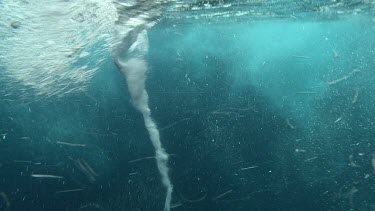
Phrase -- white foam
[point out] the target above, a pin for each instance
(47, 50)
(53, 35)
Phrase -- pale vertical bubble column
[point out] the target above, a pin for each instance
(134, 67)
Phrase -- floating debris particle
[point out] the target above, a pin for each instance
(249, 196)
(47, 176)
(351, 162)
(84, 54)
(174, 123)
(15, 24)
(344, 78)
(300, 150)
(373, 162)
(349, 195)
(178, 204)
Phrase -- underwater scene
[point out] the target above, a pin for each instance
(228, 105)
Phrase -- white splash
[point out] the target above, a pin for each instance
(42, 53)
(54, 47)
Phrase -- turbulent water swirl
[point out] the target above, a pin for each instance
(54, 47)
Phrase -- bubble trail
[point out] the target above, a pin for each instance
(134, 67)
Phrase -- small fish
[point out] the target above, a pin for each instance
(338, 120)
(290, 124)
(141, 159)
(373, 162)
(351, 162)
(69, 191)
(293, 17)
(70, 144)
(310, 159)
(335, 54)
(355, 97)
(250, 167)
(222, 195)
(307, 92)
(300, 57)
(23, 161)
(6, 202)
(47, 176)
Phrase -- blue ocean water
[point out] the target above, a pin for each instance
(272, 114)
